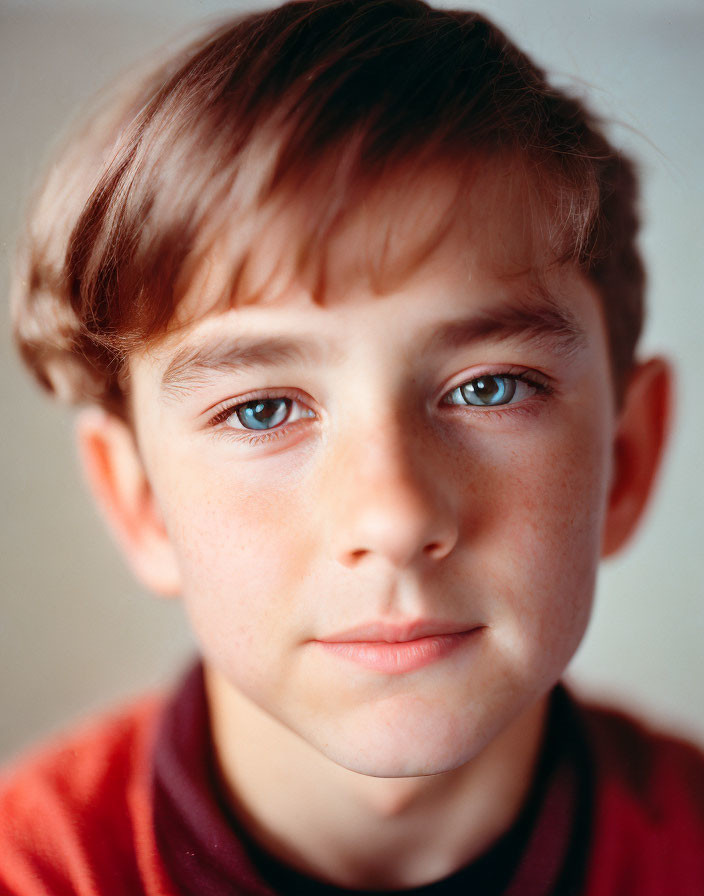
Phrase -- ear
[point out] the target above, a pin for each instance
(116, 476)
(639, 444)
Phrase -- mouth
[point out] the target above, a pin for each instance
(399, 648)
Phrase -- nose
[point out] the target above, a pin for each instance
(391, 503)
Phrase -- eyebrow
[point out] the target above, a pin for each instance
(193, 366)
(536, 319)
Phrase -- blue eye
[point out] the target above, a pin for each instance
(486, 391)
(263, 413)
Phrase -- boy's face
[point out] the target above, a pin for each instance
(361, 495)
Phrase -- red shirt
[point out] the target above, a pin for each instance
(88, 815)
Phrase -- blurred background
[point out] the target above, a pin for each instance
(77, 633)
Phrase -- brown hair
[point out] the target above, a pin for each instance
(322, 99)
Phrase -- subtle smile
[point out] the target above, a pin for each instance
(395, 650)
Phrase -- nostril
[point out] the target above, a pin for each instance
(358, 554)
(436, 549)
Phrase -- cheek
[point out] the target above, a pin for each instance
(242, 548)
(537, 524)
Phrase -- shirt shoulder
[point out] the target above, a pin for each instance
(73, 814)
(648, 826)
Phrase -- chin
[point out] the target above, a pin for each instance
(402, 748)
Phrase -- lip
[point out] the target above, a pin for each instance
(392, 648)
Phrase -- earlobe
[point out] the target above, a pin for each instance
(119, 483)
(638, 448)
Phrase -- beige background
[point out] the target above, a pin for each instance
(77, 633)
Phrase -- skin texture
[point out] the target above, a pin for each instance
(380, 501)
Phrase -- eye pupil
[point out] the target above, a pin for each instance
(488, 388)
(264, 413)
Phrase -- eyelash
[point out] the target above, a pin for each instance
(541, 390)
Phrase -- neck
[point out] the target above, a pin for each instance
(358, 831)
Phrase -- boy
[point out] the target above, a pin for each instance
(352, 298)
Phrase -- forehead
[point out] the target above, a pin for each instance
(417, 270)
(489, 218)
